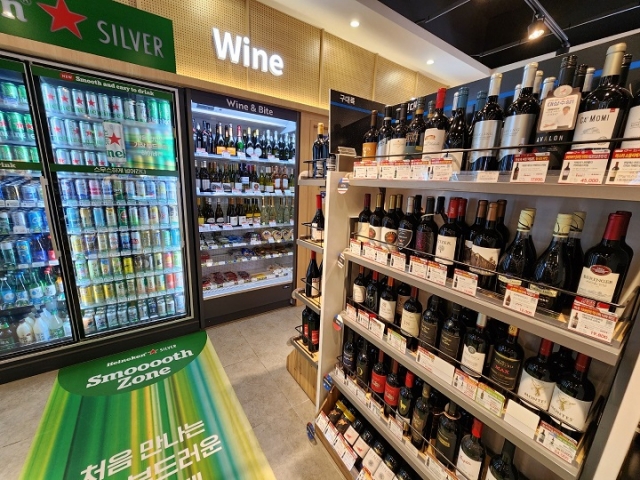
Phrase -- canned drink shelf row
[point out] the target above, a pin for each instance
(95, 119)
(117, 278)
(106, 188)
(255, 258)
(130, 298)
(287, 194)
(21, 204)
(123, 253)
(28, 266)
(117, 229)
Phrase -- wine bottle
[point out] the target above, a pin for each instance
(385, 132)
(431, 323)
(472, 453)
(632, 128)
(481, 101)
(417, 208)
(440, 216)
(519, 258)
(317, 224)
(437, 126)
(558, 115)
(404, 293)
(453, 331)
(624, 70)
(379, 375)
(581, 73)
(448, 435)
(359, 287)
(485, 251)
(462, 217)
(387, 308)
(349, 353)
(389, 230)
(562, 361)
(370, 141)
(478, 225)
(604, 110)
(606, 264)
(486, 130)
(572, 398)
(219, 214)
(574, 248)
(363, 219)
(506, 361)
(450, 242)
(406, 230)
(392, 388)
(372, 294)
(427, 230)
(537, 85)
(397, 211)
(519, 121)
(417, 127)
(501, 466)
(318, 153)
(375, 220)
(623, 237)
(552, 268)
(405, 402)
(458, 135)
(363, 365)
(420, 420)
(314, 331)
(547, 88)
(538, 378)
(475, 348)
(312, 280)
(410, 319)
(500, 226)
(232, 216)
(398, 140)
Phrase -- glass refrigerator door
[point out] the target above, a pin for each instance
(33, 309)
(117, 184)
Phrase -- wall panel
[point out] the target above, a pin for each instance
(394, 83)
(426, 85)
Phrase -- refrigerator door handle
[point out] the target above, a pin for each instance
(45, 197)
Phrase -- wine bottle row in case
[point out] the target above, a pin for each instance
(430, 421)
(252, 144)
(243, 178)
(483, 346)
(240, 211)
(484, 247)
(311, 330)
(566, 110)
(320, 154)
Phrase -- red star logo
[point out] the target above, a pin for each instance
(79, 101)
(115, 107)
(58, 129)
(51, 96)
(114, 139)
(153, 351)
(62, 17)
(92, 103)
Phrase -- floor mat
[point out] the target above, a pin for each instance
(164, 411)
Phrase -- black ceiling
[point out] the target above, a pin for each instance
(494, 32)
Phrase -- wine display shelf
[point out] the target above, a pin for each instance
(310, 245)
(298, 344)
(353, 473)
(245, 259)
(236, 159)
(540, 325)
(548, 189)
(499, 425)
(312, 303)
(287, 194)
(242, 244)
(230, 229)
(305, 181)
(278, 280)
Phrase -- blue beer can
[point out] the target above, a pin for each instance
(73, 217)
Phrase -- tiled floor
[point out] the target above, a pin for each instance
(253, 352)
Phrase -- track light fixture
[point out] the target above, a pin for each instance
(537, 28)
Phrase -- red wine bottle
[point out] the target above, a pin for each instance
(379, 375)
(314, 331)
(448, 435)
(518, 259)
(500, 226)
(404, 293)
(406, 230)
(472, 453)
(450, 241)
(317, 224)
(312, 279)
(389, 229)
(417, 127)
(501, 466)
(370, 140)
(431, 323)
(506, 361)
(486, 249)
(538, 378)
(486, 130)
(349, 353)
(375, 220)
(398, 141)
(359, 287)
(632, 129)
(623, 238)
(372, 293)
(458, 135)
(427, 230)
(453, 331)
(421, 418)
(606, 264)
(478, 225)
(475, 348)
(562, 361)
(624, 70)
(574, 249)
(462, 216)
(405, 402)
(410, 320)
(437, 126)
(363, 218)
(387, 308)
(392, 389)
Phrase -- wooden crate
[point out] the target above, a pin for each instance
(304, 372)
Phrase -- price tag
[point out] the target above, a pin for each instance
(363, 319)
(420, 168)
(375, 407)
(227, 226)
(465, 384)
(441, 170)
(12, 203)
(20, 229)
(490, 399)
(273, 223)
(403, 170)
(388, 169)
(555, 441)
(241, 155)
(435, 365)
(339, 376)
(361, 395)
(521, 300)
(331, 433)
(322, 421)
(349, 457)
(355, 247)
(397, 341)
(592, 322)
(487, 177)
(352, 314)
(584, 167)
(382, 255)
(625, 167)
(368, 251)
(465, 282)
(372, 170)
(522, 418)
(418, 267)
(351, 386)
(398, 261)
(396, 428)
(436, 273)
(435, 468)
(383, 473)
(376, 327)
(359, 170)
(530, 168)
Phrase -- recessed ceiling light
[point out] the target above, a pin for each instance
(355, 23)
(430, 61)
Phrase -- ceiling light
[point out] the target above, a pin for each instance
(355, 23)
(430, 61)
(537, 28)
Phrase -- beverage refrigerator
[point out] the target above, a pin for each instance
(95, 248)
(243, 154)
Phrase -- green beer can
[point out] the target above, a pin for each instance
(164, 109)
(9, 93)
(5, 153)
(22, 95)
(34, 156)
(28, 126)
(4, 129)
(16, 126)
(153, 113)
(21, 154)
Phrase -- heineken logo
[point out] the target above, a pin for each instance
(63, 18)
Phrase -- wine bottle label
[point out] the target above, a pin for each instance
(349, 360)
(363, 229)
(490, 475)
(473, 360)
(362, 371)
(504, 281)
(351, 435)
(378, 382)
(220, 220)
(206, 184)
(375, 233)
(456, 160)
(632, 129)
(389, 237)
(315, 287)
(402, 299)
(537, 392)
(468, 246)
(396, 147)
(418, 422)
(517, 131)
(198, 184)
(446, 443)
(548, 296)
(371, 461)
(504, 370)
(315, 337)
(469, 467)
(485, 135)
(404, 237)
(317, 234)
(571, 410)
(369, 149)
(358, 293)
(233, 221)
(249, 151)
(269, 188)
(410, 323)
(433, 140)
(387, 310)
(383, 147)
(595, 125)
(598, 282)
(425, 241)
(211, 221)
(429, 333)
(391, 395)
(446, 249)
(361, 447)
(449, 344)
(485, 258)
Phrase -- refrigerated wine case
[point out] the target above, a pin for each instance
(112, 191)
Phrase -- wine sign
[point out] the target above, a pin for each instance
(625, 167)
(586, 167)
(530, 168)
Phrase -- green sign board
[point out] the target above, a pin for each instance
(160, 411)
(101, 27)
